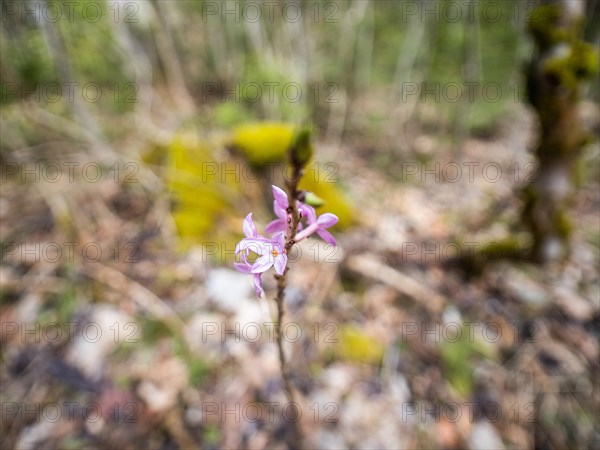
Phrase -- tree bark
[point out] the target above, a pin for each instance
(561, 63)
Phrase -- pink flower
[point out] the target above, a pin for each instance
(271, 252)
(318, 225)
(245, 267)
(247, 245)
(280, 206)
(251, 237)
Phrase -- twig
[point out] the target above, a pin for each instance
(292, 187)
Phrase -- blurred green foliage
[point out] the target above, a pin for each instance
(359, 49)
(79, 47)
(31, 63)
(492, 45)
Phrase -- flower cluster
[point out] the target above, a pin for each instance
(271, 251)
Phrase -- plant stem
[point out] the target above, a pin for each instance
(281, 283)
(292, 186)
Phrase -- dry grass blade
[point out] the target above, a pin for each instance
(140, 295)
(369, 266)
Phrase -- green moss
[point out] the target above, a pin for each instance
(584, 60)
(264, 143)
(358, 346)
(206, 192)
(203, 197)
(321, 179)
(474, 259)
(581, 63)
(562, 223)
(155, 155)
(543, 25)
(506, 248)
(269, 142)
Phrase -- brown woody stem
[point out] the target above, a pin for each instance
(292, 190)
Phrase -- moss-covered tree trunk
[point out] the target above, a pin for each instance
(561, 63)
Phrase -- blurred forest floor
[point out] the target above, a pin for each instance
(529, 368)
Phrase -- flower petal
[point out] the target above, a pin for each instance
(240, 246)
(326, 236)
(262, 264)
(280, 212)
(258, 285)
(327, 220)
(280, 263)
(280, 197)
(308, 212)
(241, 267)
(279, 241)
(249, 227)
(259, 246)
(275, 226)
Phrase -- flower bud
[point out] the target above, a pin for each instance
(313, 200)
(301, 150)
